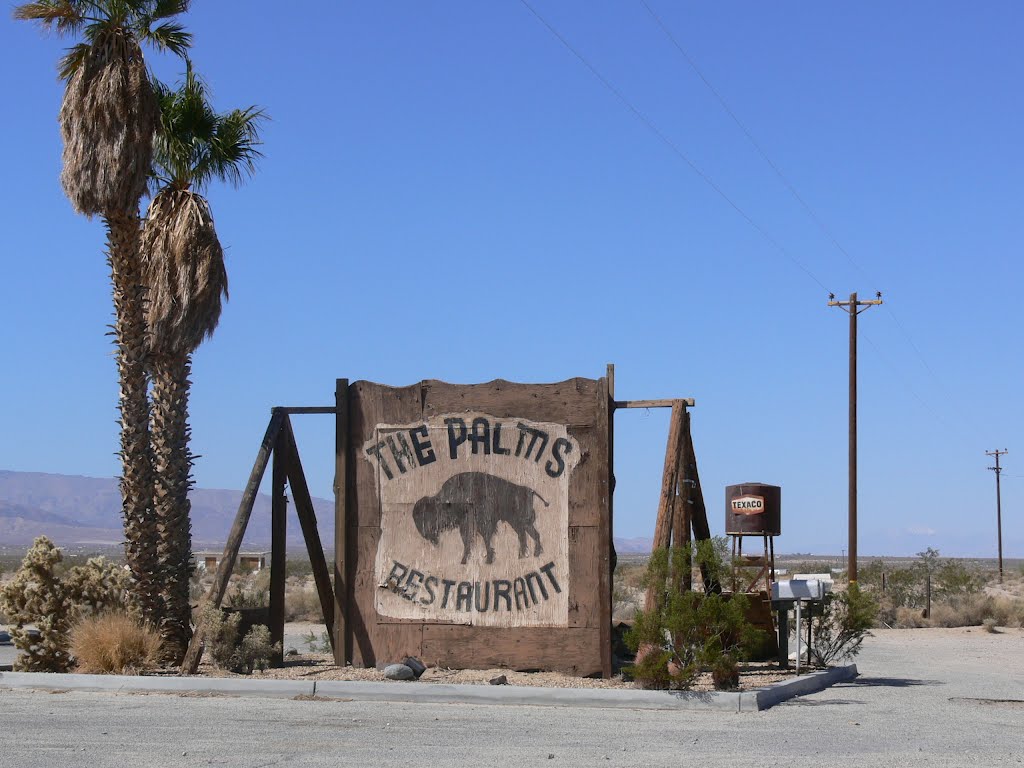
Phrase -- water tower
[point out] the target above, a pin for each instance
(753, 510)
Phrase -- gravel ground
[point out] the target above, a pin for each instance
(926, 697)
(320, 666)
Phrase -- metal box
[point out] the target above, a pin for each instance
(799, 589)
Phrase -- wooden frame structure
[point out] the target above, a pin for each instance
(278, 444)
(682, 515)
(680, 492)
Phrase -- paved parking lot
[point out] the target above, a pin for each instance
(925, 697)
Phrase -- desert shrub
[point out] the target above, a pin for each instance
(302, 603)
(256, 650)
(954, 579)
(36, 596)
(98, 585)
(321, 644)
(839, 629)
(228, 651)
(688, 632)
(990, 625)
(221, 633)
(114, 643)
(248, 598)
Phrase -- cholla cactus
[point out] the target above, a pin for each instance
(36, 596)
(97, 586)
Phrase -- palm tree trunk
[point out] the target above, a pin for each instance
(136, 456)
(172, 463)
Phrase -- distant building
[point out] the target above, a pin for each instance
(247, 561)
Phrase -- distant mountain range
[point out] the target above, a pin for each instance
(75, 510)
(87, 510)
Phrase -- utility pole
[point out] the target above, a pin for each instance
(999, 506)
(853, 307)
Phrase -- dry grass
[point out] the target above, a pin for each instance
(114, 643)
(964, 611)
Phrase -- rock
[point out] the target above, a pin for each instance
(499, 680)
(398, 672)
(417, 666)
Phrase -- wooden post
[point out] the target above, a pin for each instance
(227, 563)
(278, 540)
(663, 524)
(307, 521)
(341, 629)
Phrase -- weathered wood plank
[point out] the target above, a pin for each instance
(585, 565)
(567, 402)
(574, 651)
(220, 581)
(307, 522)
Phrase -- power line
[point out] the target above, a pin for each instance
(746, 132)
(671, 144)
(826, 230)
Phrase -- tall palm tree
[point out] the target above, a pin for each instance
(183, 265)
(107, 121)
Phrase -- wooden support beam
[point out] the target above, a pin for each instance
(341, 630)
(687, 402)
(663, 524)
(293, 410)
(681, 512)
(227, 563)
(698, 511)
(307, 521)
(278, 541)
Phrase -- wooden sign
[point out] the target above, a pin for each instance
(474, 525)
(474, 520)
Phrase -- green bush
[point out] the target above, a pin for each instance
(689, 632)
(840, 628)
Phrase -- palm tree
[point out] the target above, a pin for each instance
(107, 121)
(183, 265)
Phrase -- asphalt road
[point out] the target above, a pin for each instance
(926, 697)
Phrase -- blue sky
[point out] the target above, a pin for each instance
(429, 162)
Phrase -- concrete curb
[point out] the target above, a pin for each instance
(798, 686)
(435, 693)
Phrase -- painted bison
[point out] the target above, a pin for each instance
(474, 503)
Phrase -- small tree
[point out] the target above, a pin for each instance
(688, 632)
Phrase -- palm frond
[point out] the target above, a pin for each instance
(64, 16)
(72, 60)
(196, 145)
(169, 36)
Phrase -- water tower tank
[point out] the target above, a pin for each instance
(753, 509)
